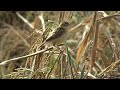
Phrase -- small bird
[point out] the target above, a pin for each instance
(60, 34)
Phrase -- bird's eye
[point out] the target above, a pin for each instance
(65, 23)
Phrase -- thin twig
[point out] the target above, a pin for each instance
(92, 61)
(111, 41)
(29, 55)
(108, 17)
(81, 25)
(26, 21)
(106, 69)
(61, 18)
(42, 21)
(61, 67)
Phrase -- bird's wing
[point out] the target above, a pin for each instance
(58, 33)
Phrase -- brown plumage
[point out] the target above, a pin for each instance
(60, 34)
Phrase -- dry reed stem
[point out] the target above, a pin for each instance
(29, 55)
(24, 20)
(81, 25)
(108, 68)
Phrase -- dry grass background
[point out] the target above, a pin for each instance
(92, 50)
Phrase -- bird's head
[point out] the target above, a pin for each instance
(65, 25)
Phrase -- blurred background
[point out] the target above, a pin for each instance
(19, 30)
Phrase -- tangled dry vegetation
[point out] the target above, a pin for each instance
(92, 50)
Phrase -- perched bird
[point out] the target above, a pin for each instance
(60, 34)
